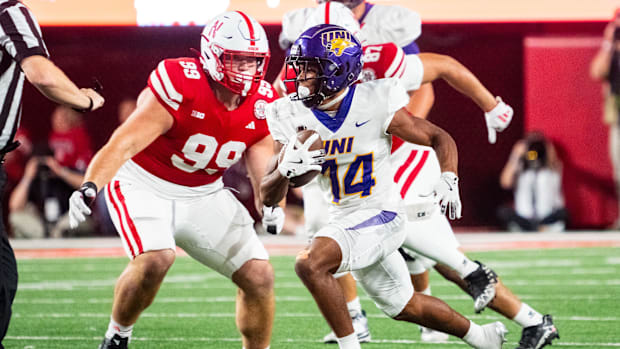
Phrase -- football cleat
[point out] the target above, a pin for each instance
(495, 335)
(431, 336)
(116, 342)
(481, 286)
(360, 326)
(536, 337)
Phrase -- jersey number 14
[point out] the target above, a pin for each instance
(364, 186)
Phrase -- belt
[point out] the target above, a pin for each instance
(420, 211)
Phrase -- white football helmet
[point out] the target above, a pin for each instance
(335, 13)
(229, 38)
(348, 3)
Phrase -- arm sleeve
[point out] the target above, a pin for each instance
(396, 97)
(413, 74)
(166, 83)
(20, 33)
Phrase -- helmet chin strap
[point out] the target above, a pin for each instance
(327, 105)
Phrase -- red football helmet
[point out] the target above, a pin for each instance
(235, 52)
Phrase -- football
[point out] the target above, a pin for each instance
(305, 178)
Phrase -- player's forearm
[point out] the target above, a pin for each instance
(106, 163)
(273, 188)
(53, 83)
(446, 151)
(464, 81)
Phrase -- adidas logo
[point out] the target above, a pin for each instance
(250, 126)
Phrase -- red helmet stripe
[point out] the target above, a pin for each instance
(250, 27)
(327, 12)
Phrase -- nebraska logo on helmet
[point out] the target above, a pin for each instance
(235, 52)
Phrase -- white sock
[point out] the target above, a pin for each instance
(355, 307)
(466, 266)
(349, 342)
(114, 328)
(475, 335)
(527, 316)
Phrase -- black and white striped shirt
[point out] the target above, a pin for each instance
(20, 37)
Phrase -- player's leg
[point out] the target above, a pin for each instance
(217, 231)
(8, 271)
(315, 211)
(347, 243)
(538, 330)
(315, 267)
(358, 316)
(387, 283)
(432, 237)
(255, 303)
(8, 282)
(418, 267)
(143, 220)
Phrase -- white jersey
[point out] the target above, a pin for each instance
(389, 23)
(380, 24)
(293, 24)
(357, 173)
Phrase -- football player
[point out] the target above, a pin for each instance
(161, 172)
(416, 172)
(366, 215)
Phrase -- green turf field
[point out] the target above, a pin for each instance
(65, 303)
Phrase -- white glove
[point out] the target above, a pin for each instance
(498, 119)
(78, 203)
(297, 159)
(447, 194)
(273, 219)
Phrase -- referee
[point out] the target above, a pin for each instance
(23, 53)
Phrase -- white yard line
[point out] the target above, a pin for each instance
(232, 299)
(288, 340)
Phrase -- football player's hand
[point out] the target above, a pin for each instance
(96, 98)
(79, 202)
(447, 194)
(297, 159)
(273, 219)
(498, 119)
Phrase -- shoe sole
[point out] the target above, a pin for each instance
(362, 338)
(547, 339)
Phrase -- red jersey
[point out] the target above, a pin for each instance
(205, 138)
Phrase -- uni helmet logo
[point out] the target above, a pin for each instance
(214, 28)
(337, 41)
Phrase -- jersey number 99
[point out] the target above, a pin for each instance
(199, 149)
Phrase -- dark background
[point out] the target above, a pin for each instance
(123, 57)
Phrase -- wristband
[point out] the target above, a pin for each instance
(89, 191)
(89, 108)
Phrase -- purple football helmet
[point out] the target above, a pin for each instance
(337, 55)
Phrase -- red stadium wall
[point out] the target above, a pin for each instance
(564, 103)
(122, 58)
